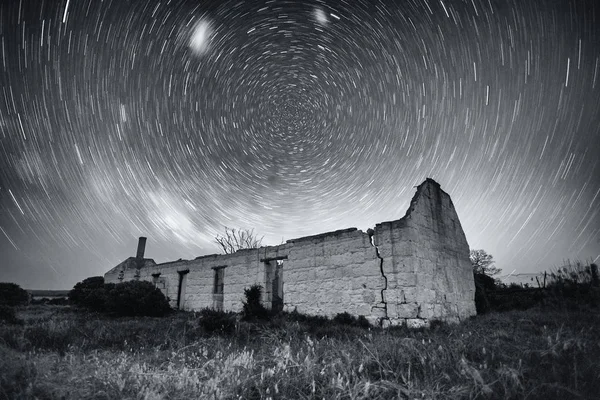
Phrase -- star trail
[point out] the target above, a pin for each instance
(172, 119)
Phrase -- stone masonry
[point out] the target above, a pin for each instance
(409, 271)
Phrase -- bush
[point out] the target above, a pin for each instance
(362, 322)
(7, 314)
(310, 320)
(253, 308)
(97, 299)
(484, 286)
(568, 288)
(506, 299)
(58, 301)
(12, 294)
(90, 293)
(345, 319)
(574, 286)
(219, 322)
(135, 298)
(349, 319)
(571, 287)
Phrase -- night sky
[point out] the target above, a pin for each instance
(172, 119)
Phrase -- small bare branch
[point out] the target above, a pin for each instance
(237, 239)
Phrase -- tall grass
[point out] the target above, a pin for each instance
(574, 286)
(58, 353)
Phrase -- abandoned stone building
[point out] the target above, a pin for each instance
(409, 271)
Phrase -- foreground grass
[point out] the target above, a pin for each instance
(59, 353)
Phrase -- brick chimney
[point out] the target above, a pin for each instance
(141, 247)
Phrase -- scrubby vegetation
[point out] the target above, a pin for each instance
(548, 351)
(64, 352)
(136, 298)
(12, 295)
(349, 319)
(212, 321)
(252, 307)
(89, 293)
(55, 301)
(132, 298)
(573, 287)
(8, 315)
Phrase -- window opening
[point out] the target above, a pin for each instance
(181, 289)
(218, 287)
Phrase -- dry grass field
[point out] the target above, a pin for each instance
(60, 352)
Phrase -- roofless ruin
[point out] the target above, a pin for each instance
(409, 271)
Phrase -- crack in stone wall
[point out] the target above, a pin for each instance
(383, 304)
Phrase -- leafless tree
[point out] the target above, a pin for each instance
(483, 263)
(238, 239)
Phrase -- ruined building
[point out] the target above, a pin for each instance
(409, 271)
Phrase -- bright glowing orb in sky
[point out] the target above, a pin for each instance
(320, 16)
(200, 38)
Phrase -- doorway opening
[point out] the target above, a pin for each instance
(181, 289)
(274, 283)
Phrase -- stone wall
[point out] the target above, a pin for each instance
(426, 261)
(332, 273)
(409, 271)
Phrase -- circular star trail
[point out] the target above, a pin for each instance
(172, 119)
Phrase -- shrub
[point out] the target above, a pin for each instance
(97, 299)
(310, 320)
(89, 293)
(573, 286)
(484, 286)
(362, 322)
(12, 294)
(570, 287)
(506, 299)
(135, 298)
(253, 308)
(35, 302)
(346, 318)
(7, 314)
(58, 301)
(570, 278)
(219, 322)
